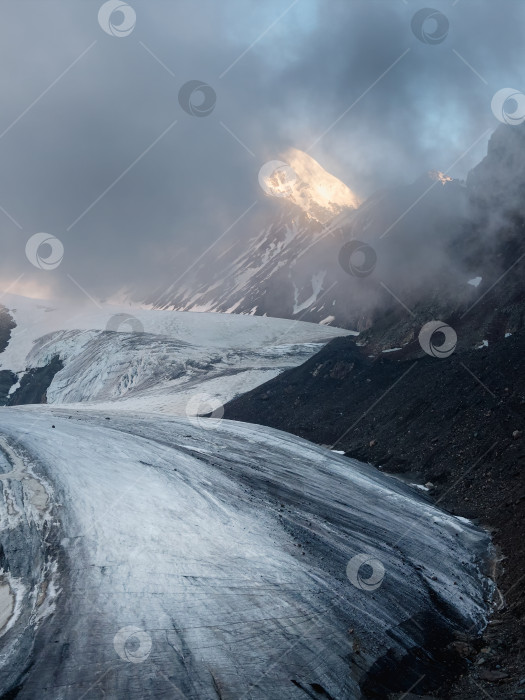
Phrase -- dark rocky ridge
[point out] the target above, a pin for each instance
(7, 378)
(7, 324)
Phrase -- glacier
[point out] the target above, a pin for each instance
(226, 549)
(153, 360)
(150, 554)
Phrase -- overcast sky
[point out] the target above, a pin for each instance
(84, 112)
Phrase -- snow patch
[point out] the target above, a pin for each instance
(317, 286)
(421, 487)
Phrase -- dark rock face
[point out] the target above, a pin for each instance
(35, 384)
(6, 326)
(500, 177)
(7, 379)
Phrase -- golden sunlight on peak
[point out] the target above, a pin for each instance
(303, 181)
(439, 176)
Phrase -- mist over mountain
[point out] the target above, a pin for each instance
(414, 242)
(307, 84)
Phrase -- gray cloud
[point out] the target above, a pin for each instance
(111, 106)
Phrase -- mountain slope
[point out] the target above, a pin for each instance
(420, 241)
(291, 268)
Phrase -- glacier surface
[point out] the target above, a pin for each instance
(151, 557)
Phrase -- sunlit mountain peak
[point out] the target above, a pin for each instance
(303, 181)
